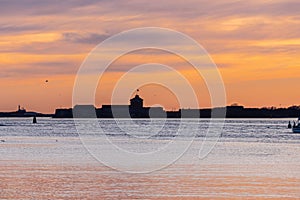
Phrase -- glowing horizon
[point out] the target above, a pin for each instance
(256, 50)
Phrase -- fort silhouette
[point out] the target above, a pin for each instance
(136, 109)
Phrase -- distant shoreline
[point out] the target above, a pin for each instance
(231, 112)
(136, 109)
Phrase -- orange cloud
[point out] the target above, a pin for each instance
(256, 50)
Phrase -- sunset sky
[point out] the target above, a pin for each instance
(255, 44)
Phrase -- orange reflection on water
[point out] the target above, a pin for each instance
(34, 181)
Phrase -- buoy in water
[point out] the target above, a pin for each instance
(34, 120)
(289, 125)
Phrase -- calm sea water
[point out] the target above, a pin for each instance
(253, 159)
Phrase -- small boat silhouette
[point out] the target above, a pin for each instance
(296, 126)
